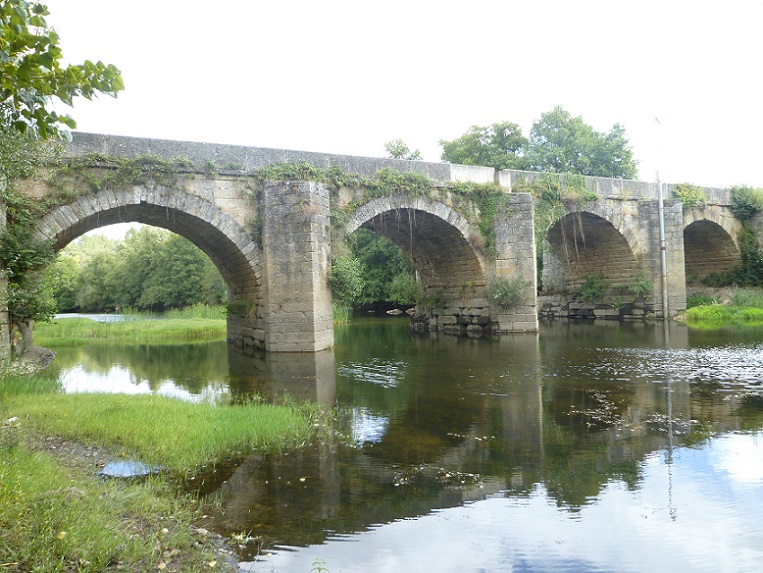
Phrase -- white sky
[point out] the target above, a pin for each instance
(345, 76)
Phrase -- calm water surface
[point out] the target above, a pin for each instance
(591, 447)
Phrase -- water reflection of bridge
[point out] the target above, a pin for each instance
(553, 423)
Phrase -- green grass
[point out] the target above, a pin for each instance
(749, 297)
(717, 315)
(78, 331)
(169, 432)
(746, 309)
(56, 518)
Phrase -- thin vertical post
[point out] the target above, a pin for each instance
(663, 255)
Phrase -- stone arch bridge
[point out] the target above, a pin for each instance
(272, 242)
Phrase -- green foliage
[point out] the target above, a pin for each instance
(640, 284)
(346, 280)
(56, 517)
(717, 315)
(398, 149)
(387, 272)
(151, 269)
(22, 155)
(491, 200)
(340, 313)
(31, 79)
(24, 258)
(562, 143)
(95, 172)
(500, 146)
(749, 297)
(210, 432)
(699, 299)
(139, 330)
(31, 74)
(558, 142)
(750, 272)
(506, 293)
(404, 289)
(691, 196)
(746, 202)
(592, 288)
(435, 299)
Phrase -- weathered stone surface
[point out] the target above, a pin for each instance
(277, 282)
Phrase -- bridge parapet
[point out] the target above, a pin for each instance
(243, 159)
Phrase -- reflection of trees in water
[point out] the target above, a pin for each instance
(189, 366)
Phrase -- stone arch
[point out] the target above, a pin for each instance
(585, 244)
(710, 243)
(233, 251)
(440, 242)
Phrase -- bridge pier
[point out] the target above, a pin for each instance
(296, 244)
(515, 258)
(649, 229)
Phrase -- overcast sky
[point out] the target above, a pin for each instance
(345, 76)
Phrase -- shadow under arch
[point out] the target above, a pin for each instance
(232, 250)
(442, 245)
(584, 244)
(709, 248)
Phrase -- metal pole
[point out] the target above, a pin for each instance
(663, 256)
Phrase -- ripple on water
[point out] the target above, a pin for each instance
(385, 373)
(734, 367)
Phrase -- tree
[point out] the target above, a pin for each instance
(397, 149)
(382, 261)
(31, 74)
(31, 79)
(500, 146)
(558, 143)
(562, 143)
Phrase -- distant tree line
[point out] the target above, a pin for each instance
(151, 269)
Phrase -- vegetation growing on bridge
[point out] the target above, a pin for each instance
(691, 196)
(746, 203)
(398, 283)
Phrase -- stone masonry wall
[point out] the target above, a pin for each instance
(515, 258)
(296, 256)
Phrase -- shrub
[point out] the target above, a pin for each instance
(690, 195)
(746, 202)
(699, 299)
(592, 288)
(505, 292)
(346, 280)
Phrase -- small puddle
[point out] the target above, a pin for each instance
(127, 469)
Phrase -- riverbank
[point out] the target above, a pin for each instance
(743, 307)
(57, 515)
(79, 331)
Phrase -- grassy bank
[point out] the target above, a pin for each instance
(56, 516)
(745, 308)
(76, 331)
(169, 432)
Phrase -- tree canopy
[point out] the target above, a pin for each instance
(500, 145)
(32, 81)
(150, 269)
(398, 149)
(32, 76)
(558, 142)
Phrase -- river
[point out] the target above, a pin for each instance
(590, 447)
